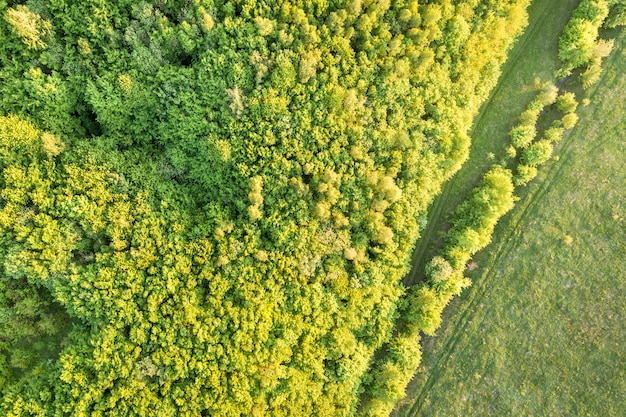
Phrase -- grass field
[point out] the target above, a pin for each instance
(541, 332)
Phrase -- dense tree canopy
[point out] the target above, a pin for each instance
(207, 207)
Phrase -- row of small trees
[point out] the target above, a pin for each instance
(472, 226)
(580, 45)
(537, 152)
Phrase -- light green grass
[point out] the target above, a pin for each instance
(541, 332)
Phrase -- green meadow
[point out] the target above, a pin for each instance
(541, 330)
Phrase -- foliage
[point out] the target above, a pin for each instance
(524, 174)
(28, 25)
(536, 154)
(525, 131)
(580, 45)
(207, 208)
(617, 15)
(475, 219)
(567, 103)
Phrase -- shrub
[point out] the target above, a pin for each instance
(567, 103)
(537, 153)
(522, 135)
(553, 134)
(524, 174)
(569, 120)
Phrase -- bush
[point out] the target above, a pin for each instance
(524, 174)
(424, 309)
(617, 16)
(553, 134)
(438, 270)
(569, 120)
(548, 95)
(578, 41)
(522, 135)
(591, 74)
(537, 153)
(567, 103)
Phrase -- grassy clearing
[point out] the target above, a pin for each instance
(541, 332)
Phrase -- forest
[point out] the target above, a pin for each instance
(208, 207)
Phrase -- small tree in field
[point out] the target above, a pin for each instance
(522, 135)
(567, 103)
(537, 153)
(569, 120)
(524, 174)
